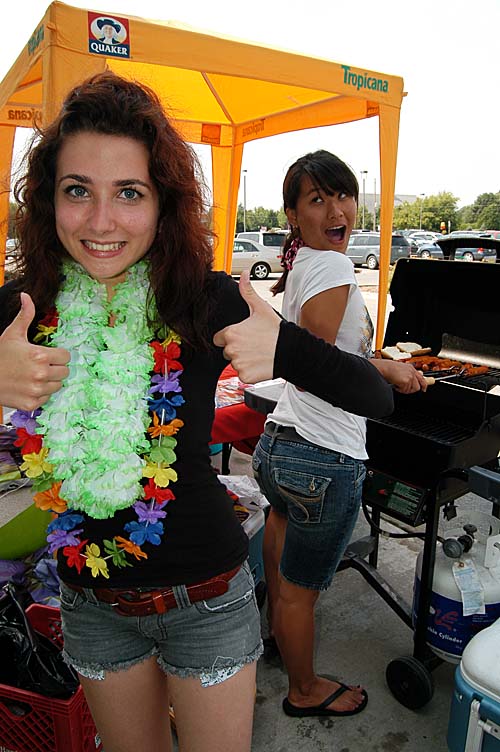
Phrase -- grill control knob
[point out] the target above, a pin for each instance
(452, 548)
(470, 529)
(455, 547)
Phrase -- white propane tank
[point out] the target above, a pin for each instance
(448, 630)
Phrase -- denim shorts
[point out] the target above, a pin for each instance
(319, 492)
(210, 640)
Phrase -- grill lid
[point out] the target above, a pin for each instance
(479, 353)
(431, 298)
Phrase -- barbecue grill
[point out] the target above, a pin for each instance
(419, 456)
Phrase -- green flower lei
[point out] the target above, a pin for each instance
(94, 426)
(95, 450)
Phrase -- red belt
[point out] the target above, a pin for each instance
(143, 603)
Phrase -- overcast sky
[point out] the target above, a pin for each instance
(445, 50)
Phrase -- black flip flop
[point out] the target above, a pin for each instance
(322, 709)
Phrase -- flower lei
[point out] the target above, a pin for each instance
(104, 441)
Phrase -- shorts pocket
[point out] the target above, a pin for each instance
(238, 595)
(70, 599)
(304, 494)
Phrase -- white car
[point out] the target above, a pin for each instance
(424, 237)
(256, 258)
(10, 246)
(268, 238)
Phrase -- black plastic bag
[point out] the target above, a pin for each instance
(29, 660)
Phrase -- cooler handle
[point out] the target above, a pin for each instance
(478, 728)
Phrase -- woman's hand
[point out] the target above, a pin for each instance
(403, 376)
(251, 344)
(29, 374)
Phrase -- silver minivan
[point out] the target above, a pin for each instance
(364, 248)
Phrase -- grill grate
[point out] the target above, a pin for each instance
(428, 427)
(484, 382)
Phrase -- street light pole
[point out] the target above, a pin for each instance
(363, 173)
(244, 200)
(374, 204)
(422, 196)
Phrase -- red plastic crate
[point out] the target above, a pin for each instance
(30, 722)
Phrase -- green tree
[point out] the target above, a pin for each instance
(240, 224)
(489, 218)
(483, 214)
(282, 219)
(432, 210)
(11, 230)
(260, 217)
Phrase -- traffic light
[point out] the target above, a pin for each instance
(442, 227)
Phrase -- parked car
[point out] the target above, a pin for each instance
(423, 237)
(256, 258)
(429, 250)
(11, 259)
(475, 254)
(470, 233)
(365, 249)
(467, 247)
(10, 246)
(267, 238)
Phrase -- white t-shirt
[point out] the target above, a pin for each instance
(313, 418)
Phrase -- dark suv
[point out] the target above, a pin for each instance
(364, 248)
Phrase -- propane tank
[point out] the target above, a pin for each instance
(448, 630)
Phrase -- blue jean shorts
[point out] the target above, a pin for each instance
(319, 492)
(210, 640)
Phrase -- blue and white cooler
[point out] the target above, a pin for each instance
(474, 724)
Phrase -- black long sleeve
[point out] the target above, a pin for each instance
(340, 378)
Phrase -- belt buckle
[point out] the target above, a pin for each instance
(153, 600)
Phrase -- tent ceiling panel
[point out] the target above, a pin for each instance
(249, 99)
(185, 93)
(211, 98)
(33, 77)
(27, 92)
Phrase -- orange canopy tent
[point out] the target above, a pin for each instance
(220, 91)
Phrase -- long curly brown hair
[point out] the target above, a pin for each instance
(181, 254)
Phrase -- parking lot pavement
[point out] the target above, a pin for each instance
(357, 635)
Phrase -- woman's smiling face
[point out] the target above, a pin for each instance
(106, 205)
(325, 220)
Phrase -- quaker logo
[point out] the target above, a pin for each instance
(108, 35)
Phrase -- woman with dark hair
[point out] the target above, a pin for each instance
(310, 459)
(107, 354)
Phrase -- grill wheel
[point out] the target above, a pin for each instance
(410, 682)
